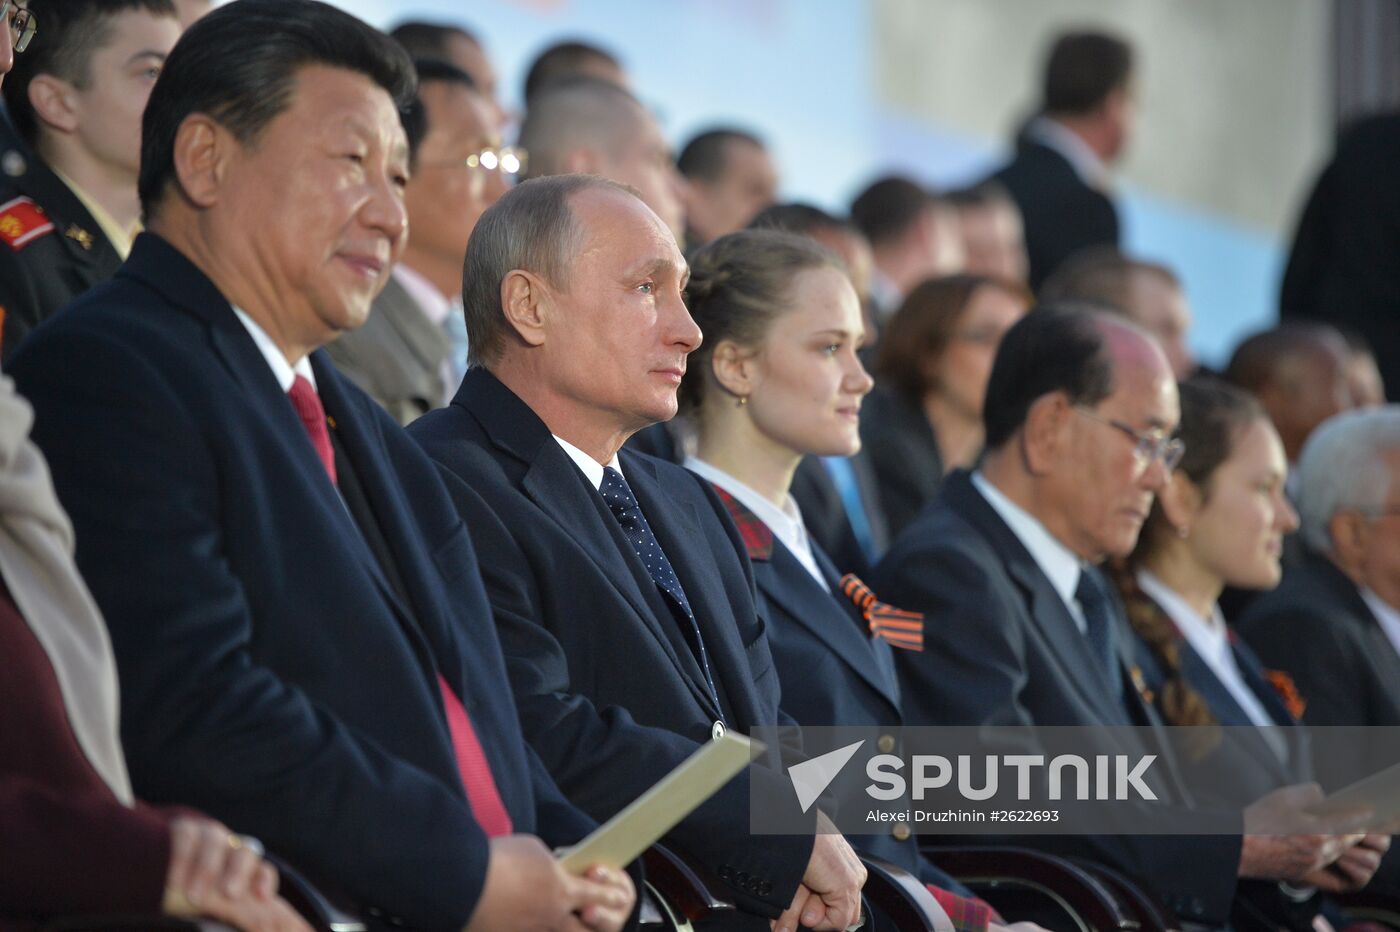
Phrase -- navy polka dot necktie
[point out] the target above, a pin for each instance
(623, 505)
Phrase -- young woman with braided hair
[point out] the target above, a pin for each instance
(775, 379)
(1220, 522)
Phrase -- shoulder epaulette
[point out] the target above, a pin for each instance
(22, 221)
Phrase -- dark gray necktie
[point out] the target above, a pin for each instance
(1100, 627)
(623, 505)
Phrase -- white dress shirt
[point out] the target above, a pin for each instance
(1059, 564)
(1386, 614)
(1085, 161)
(591, 467)
(1210, 638)
(785, 522)
(283, 371)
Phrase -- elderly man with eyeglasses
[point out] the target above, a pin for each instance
(1020, 627)
(412, 352)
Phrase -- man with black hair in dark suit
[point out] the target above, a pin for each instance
(303, 642)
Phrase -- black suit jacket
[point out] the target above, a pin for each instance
(41, 275)
(1317, 628)
(832, 672)
(271, 675)
(1342, 267)
(902, 448)
(1062, 214)
(1001, 648)
(609, 691)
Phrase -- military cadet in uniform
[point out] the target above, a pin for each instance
(68, 206)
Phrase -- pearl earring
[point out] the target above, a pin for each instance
(743, 400)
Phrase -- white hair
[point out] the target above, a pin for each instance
(1343, 468)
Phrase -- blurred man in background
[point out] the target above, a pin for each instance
(914, 236)
(730, 177)
(593, 126)
(994, 239)
(1146, 293)
(1060, 173)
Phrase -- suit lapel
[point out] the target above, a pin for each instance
(563, 495)
(677, 529)
(1051, 615)
(829, 617)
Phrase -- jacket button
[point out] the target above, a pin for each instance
(726, 873)
(901, 831)
(717, 731)
(765, 888)
(886, 744)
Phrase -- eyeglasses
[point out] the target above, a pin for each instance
(1147, 446)
(508, 160)
(21, 22)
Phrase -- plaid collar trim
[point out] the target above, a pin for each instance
(758, 537)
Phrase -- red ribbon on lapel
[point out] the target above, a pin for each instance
(898, 627)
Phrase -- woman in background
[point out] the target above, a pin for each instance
(935, 357)
(1220, 522)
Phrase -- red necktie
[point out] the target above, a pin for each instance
(313, 417)
(900, 628)
(475, 772)
(481, 789)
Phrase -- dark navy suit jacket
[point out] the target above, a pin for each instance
(1062, 214)
(1254, 766)
(610, 692)
(271, 675)
(832, 671)
(1001, 648)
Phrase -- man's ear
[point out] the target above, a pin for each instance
(1045, 434)
(201, 155)
(1181, 501)
(53, 103)
(1351, 536)
(733, 368)
(527, 302)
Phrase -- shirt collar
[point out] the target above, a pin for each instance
(1208, 636)
(283, 371)
(433, 303)
(591, 467)
(785, 522)
(885, 295)
(120, 239)
(1085, 161)
(1387, 614)
(1056, 561)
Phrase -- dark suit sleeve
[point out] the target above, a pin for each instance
(1318, 653)
(971, 669)
(203, 724)
(601, 757)
(972, 672)
(78, 856)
